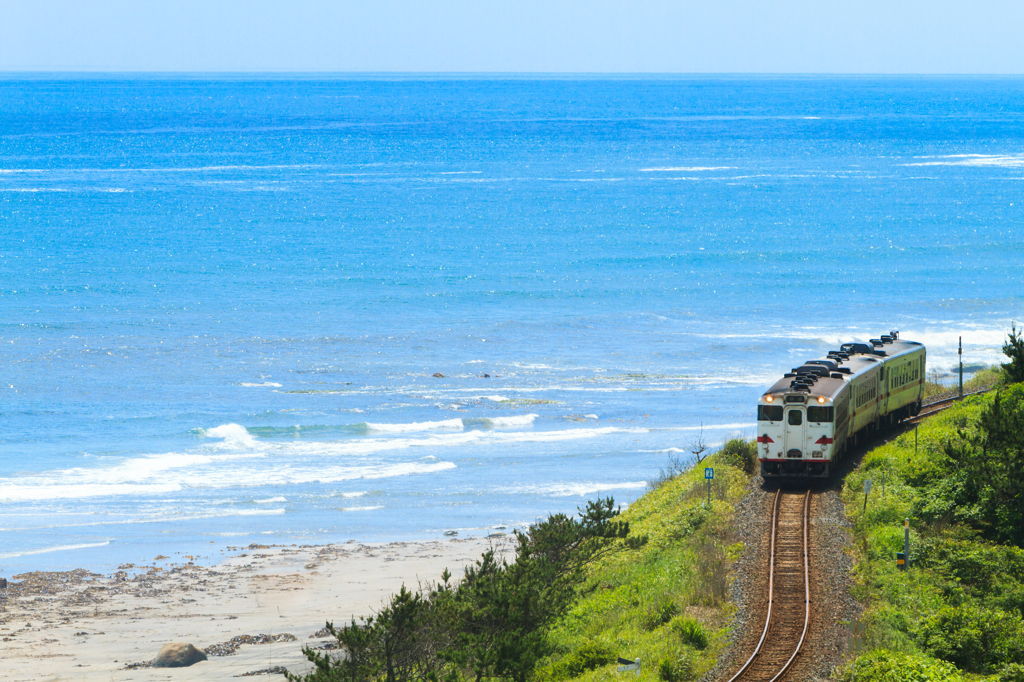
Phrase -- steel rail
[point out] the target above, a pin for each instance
(928, 409)
(771, 590)
(807, 591)
(955, 398)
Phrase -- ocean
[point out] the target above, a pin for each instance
(299, 310)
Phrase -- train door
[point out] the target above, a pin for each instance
(795, 424)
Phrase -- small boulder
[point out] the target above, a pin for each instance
(438, 375)
(3, 583)
(178, 655)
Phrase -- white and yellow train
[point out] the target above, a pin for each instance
(809, 419)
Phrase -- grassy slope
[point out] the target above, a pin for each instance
(958, 584)
(641, 602)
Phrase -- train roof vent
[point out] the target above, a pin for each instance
(824, 363)
(886, 339)
(817, 370)
(845, 370)
(881, 352)
(876, 342)
(837, 375)
(894, 334)
(855, 348)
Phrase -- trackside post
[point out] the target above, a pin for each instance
(903, 558)
(626, 665)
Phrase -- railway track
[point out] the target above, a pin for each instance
(931, 408)
(789, 591)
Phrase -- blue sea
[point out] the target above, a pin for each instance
(306, 310)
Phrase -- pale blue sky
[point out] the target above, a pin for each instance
(802, 36)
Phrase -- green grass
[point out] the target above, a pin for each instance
(663, 601)
(956, 614)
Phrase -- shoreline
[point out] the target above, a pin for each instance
(253, 612)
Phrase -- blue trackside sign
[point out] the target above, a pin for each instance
(709, 473)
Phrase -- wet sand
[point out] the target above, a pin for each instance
(85, 626)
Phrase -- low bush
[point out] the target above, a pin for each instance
(975, 639)
(590, 656)
(882, 665)
(675, 670)
(660, 615)
(691, 632)
(739, 453)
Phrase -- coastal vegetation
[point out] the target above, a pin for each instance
(956, 613)
(647, 583)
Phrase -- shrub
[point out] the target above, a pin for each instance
(675, 670)
(986, 378)
(691, 632)
(661, 614)
(975, 639)
(882, 665)
(590, 656)
(1013, 672)
(739, 453)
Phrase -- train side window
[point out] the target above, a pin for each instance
(796, 418)
(769, 413)
(820, 414)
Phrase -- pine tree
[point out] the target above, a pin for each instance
(1014, 349)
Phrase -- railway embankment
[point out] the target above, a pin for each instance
(956, 612)
(690, 603)
(666, 598)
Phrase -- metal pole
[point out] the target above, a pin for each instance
(960, 352)
(906, 543)
(709, 492)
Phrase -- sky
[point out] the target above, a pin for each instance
(550, 36)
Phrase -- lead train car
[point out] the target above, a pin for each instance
(808, 419)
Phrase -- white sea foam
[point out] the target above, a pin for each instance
(161, 517)
(269, 384)
(447, 425)
(355, 494)
(977, 160)
(506, 422)
(250, 462)
(348, 509)
(494, 398)
(56, 491)
(685, 169)
(233, 434)
(575, 489)
(271, 500)
(59, 548)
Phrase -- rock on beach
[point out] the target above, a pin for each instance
(178, 655)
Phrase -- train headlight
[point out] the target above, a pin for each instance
(821, 400)
(769, 398)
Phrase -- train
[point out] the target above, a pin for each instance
(810, 418)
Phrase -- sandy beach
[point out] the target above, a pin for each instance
(252, 612)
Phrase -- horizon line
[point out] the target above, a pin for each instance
(504, 74)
